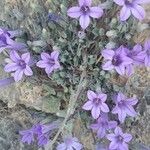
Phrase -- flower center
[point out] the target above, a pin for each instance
(116, 61)
(121, 104)
(97, 101)
(85, 9)
(128, 2)
(120, 139)
(51, 62)
(22, 64)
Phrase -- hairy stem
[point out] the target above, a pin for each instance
(73, 98)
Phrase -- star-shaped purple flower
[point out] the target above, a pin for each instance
(119, 139)
(137, 55)
(124, 107)
(102, 125)
(19, 65)
(131, 7)
(49, 62)
(85, 11)
(96, 103)
(70, 144)
(116, 60)
(147, 53)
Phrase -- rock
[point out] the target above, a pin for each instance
(29, 92)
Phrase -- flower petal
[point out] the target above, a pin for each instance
(26, 57)
(42, 64)
(96, 12)
(11, 67)
(120, 97)
(74, 12)
(95, 112)
(120, 69)
(108, 54)
(129, 70)
(84, 21)
(57, 65)
(147, 61)
(138, 11)
(132, 101)
(125, 13)
(101, 132)
(119, 2)
(104, 107)
(14, 56)
(45, 56)
(102, 96)
(111, 137)
(121, 115)
(49, 70)
(108, 66)
(130, 111)
(118, 131)
(28, 71)
(88, 105)
(127, 137)
(112, 124)
(18, 75)
(85, 2)
(113, 145)
(61, 146)
(141, 1)
(147, 45)
(91, 95)
(54, 55)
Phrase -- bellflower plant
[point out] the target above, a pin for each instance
(116, 60)
(49, 62)
(124, 107)
(147, 53)
(19, 65)
(102, 125)
(71, 143)
(119, 140)
(96, 103)
(131, 7)
(85, 11)
(41, 132)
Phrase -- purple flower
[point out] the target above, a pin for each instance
(19, 65)
(103, 125)
(7, 43)
(41, 132)
(147, 53)
(116, 60)
(27, 136)
(96, 103)
(137, 55)
(49, 62)
(70, 144)
(85, 11)
(119, 140)
(124, 107)
(131, 7)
